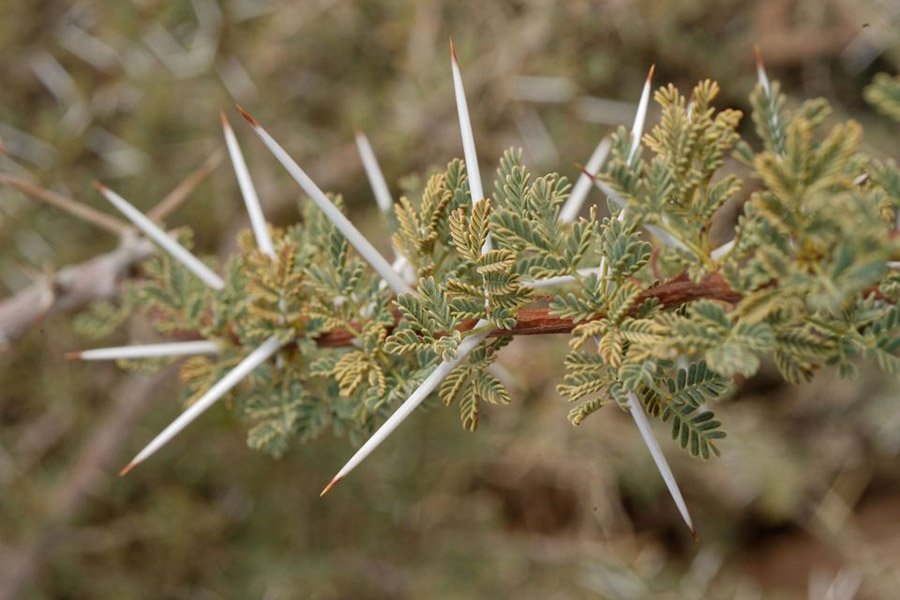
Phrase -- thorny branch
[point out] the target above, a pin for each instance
(76, 286)
(538, 321)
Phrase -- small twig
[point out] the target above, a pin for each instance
(539, 321)
(180, 193)
(73, 207)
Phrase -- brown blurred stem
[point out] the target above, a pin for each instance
(177, 196)
(72, 288)
(84, 212)
(539, 321)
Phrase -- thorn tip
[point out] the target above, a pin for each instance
(72, 355)
(650, 72)
(330, 485)
(99, 186)
(224, 118)
(453, 51)
(127, 468)
(244, 114)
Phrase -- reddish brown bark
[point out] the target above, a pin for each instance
(538, 321)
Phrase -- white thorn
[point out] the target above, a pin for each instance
(415, 399)
(147, 351)
(465, 129)
(580, 191)
(761, 72)
(640, 419)
(154, 232)
(222, 387)
(403, 268)
(353, 235)
(374, 173)
(380, 189)
(637, 130)
(722, 250)
(468, 138)
(400, 263)
(562, 279)
(248, 191)
(663, 236)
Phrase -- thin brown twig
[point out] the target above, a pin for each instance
(539, 321)
(177, 196)
(84, 212)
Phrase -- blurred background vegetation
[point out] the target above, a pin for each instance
(804, 502)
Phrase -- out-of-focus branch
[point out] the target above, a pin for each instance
(76, 286)
(177, 196)
(84, 212)
(71, 288)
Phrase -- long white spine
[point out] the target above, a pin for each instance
(374, 173)
(148, 351)
(154, 232)
(248, 191)
(353, 235)
(640, 419)
(637, 129)
(221, 387)
(428, 385)
(465, 129)
(581, 188)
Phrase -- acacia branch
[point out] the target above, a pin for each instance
(539, 321)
